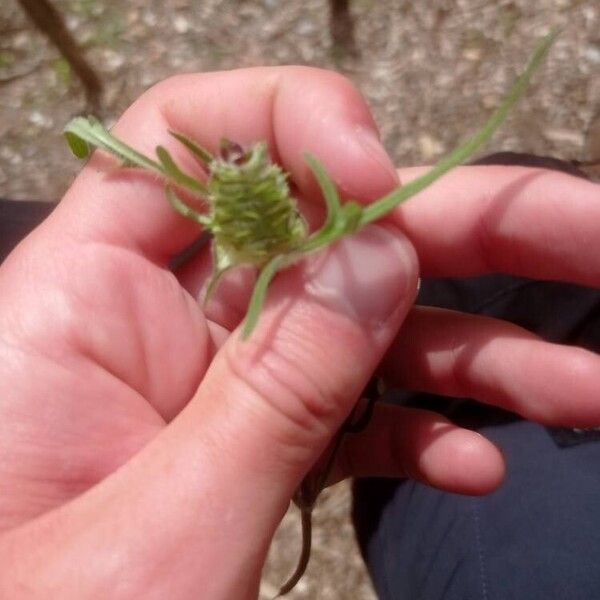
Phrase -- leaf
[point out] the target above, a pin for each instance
(83, 132)
(183, 209)
(222, 262)
(79, 147)
(204, 155)
(91, 132)
(171, 169)
(339, 219)
(328, 189)
(259, 292)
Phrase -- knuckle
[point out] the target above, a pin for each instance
(280, 381)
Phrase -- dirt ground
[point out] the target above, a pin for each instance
(431, 71)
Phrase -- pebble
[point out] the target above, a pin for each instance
(305, 27)
(10, 156)
(149, 18)
(181, 24)
(429, 146)
(112, 60)
(472, 54)
(592, 53)
(21, 41)
(72, 22)
(564, 136)
(40, 120)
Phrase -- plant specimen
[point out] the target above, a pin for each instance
(255, 221)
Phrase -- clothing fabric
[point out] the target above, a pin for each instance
(538, 536)
(17, 219)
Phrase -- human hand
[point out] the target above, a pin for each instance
(145, 450)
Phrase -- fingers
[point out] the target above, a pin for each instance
(422, 445)
(295, 109)
(454, 354)
(487, 219)
(325, 328)
(211, 488)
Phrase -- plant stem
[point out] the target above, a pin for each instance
(461, 154)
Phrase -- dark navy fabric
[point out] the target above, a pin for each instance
(17, 219)
(538, 536)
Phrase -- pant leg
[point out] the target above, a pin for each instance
(17, 219)
(538, 536)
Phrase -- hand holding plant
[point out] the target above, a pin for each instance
(152, 452)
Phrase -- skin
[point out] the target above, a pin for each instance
(145, 451)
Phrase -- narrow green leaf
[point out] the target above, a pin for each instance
(171, 169)
(328, 189)
(83, 132)
(204, 155)
(336, 222)
(90, 131)
(183, 209)
(259, 292)
(223, 261)
(462, 153)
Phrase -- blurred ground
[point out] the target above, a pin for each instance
(430, 71)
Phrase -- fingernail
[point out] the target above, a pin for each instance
(369, 141)
(367, 276)
(358, 163)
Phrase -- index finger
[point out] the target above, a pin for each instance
(489, 219)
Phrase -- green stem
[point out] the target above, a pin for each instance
(387, 203)
(259, 292)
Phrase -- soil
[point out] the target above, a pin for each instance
(431, 72)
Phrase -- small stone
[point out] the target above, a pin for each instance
(72, 22)
(305, 27)
(21, 40)
(429, 146)
(112, 60)
(147, 79)
(149, 18)
(40, 120)
(181, 24)
(473, 54)
(9, 155)
(132, 17)
(564, 136)
(592, 53)
(490, 101)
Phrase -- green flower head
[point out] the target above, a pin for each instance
(252, 215)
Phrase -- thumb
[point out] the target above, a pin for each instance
(195, 510)
(280, 396)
